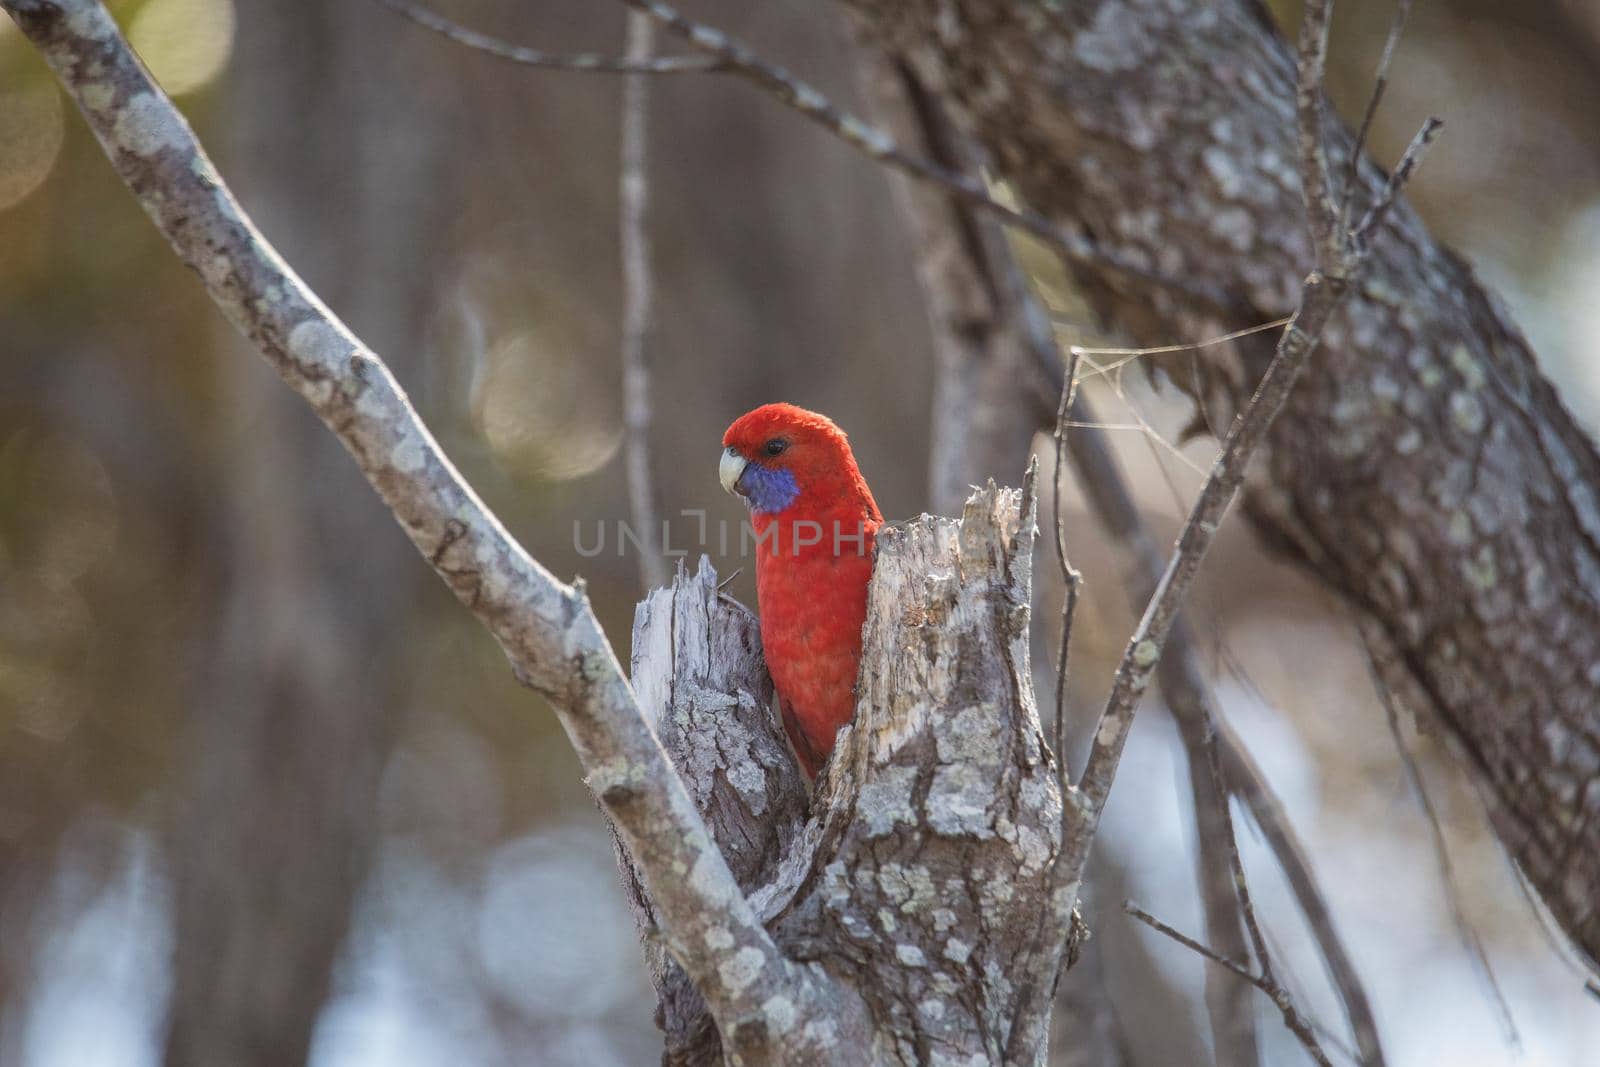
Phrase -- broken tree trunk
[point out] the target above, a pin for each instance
(916, 882)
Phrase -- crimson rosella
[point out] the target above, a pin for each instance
(815, 522)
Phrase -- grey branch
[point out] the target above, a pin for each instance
(1071, 580)
(1315, 183)
(546, 628)
(737, 59)
(531, 57)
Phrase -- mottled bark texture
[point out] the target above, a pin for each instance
(918, 881)
(1425, 471)
(703, 685)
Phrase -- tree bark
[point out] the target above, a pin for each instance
(702, 683)
(1426, 471)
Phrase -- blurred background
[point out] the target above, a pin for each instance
(266, 788)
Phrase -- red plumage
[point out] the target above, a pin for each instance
(815, 523)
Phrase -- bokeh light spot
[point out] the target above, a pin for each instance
(31, 126)
(185, 43)
(543, 411)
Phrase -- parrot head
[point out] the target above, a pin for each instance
(779, 455)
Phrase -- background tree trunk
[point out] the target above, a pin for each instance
(305, 684)
(1426, 471)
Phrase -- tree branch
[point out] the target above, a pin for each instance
(701, 682)
(1380, 84)
(530, 57)
(546, 628)
(739, 60)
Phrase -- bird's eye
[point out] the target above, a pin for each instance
(776, 446)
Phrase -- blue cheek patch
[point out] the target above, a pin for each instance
(769, 489)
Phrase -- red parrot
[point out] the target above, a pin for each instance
(815, 523)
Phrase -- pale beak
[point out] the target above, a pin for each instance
(729, 468)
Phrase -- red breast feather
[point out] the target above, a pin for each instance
(813, 565)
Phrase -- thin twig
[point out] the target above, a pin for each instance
(723, 54)
(1316, 186)
(1380, 83)
(638, 292)
(1402, 174)
(1230, 841)
(740, 60)
(1441, 851)
(582, 61)
(1247, 782)
(1072, 580)
(1298, 1024)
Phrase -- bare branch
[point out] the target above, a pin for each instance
(1316, 186)
(740, 60)
(1071, 579)
(1298, 1024)
(1380, 83)
(582, 61)
(1441, 847)
(1246, 781)
(1402, 174)
(637, 299)
(1212, 766)
(546, 628)
(1189, 699)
